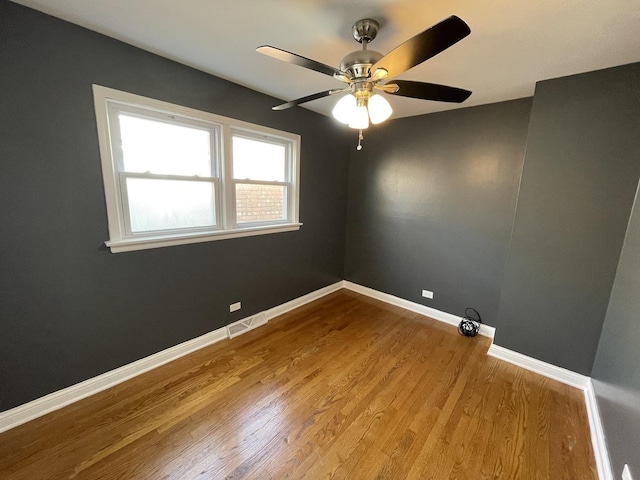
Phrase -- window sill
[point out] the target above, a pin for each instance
(131, 244)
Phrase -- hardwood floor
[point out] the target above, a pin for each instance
(344, 387)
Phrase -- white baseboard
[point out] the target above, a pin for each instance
(298, 302)
(538, 366)
(56, 400)
(597, 434)
(439, 315)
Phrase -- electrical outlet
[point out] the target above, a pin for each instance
(234, 307)
(626, 473)
(427, 294)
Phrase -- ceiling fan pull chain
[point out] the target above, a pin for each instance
(360, 138)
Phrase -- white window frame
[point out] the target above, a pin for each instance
(108, 102)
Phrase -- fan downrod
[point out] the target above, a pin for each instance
(365, 30)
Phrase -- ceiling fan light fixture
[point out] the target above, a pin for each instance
(344, 110)
(364, 70)
(379, 109)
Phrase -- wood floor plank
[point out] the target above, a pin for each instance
(343, 387)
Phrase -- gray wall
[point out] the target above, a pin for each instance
(70, 309)
(580, 173)
(431, 204)
(616, 370)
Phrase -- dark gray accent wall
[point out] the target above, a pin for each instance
(580, 173)
(616, 370)
(431, 204)
(70, 309)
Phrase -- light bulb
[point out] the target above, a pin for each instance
(379, 109)
(344, 110)
(359, 118)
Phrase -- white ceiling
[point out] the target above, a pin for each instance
(512, 44)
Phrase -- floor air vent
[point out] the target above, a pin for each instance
(242, 326)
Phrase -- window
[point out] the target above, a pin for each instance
(259, 177)
(174, 175)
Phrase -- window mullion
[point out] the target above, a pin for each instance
(228, 187)
(216, 171)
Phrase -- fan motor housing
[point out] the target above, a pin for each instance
(358, 64)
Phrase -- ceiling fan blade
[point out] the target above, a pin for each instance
(428, 91)
(309, 98)
(423, 46)
(387, 88)
(302, 61)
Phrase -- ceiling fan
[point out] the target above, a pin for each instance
(364, 72)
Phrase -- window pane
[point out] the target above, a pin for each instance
(164, 148)
(164, 204)
(256, 160)
(260, 203)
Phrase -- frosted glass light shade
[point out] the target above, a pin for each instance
(344, 110)
(379, 109)
(360, 118)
